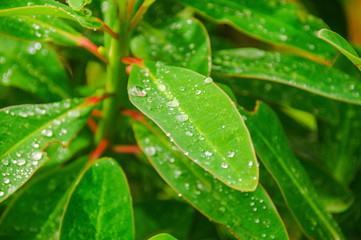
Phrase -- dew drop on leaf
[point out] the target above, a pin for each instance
(181, 117)
(150, 151)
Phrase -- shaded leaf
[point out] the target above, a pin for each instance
(36, 211)
(271, 146)
(181, 102)
(249, 215)
(341, 44)
(22, 66)
(272, 21)
(163, 236)
(289, 70)
(182, 43)
(26, 130)
(100, 205)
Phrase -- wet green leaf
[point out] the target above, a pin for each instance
(26, 130)
(289, 70)
(341, 44)
(100, 205)
(214, 136)
(78, 4)
(22, 66)
(163, 236)
(36, 211)
(183, 43)
(271, 146)
(276, 22)
(49, 8)
(249, 215)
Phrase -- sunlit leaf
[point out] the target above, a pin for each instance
(78, 4)
(163, 236)
(181, 102)
(26, 130)
(272, 21)
(289, 70)
(100, 205)
(341, 44)
(271, 146)
(247, 214)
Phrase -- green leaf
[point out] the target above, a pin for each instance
(276, 22)
(341, 44)
(36, 210)
(289, 70)
(249, 215)
(100, 205)
(22, 66)
(282, 95)
(214, 136)
(163, 236)
(183, 43)
(49, 8)
(78, 4)
(26, 130)
(271, 146)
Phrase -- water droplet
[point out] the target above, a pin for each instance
(198, 92)
(250, 163)
(6, 180)
(172, 160)
(1, 193)
(150, 151)
(35, 145)
(21, 162)
(36, 155)
(230, 154)
(207, 80)
(208, 154)
(74, 113)
(283, 37)
(188, 133)
(224, 165)
(173, 103)
(256, 220)
(47, 132)
(161, 87)
(181, 117)
(137, 91)
(5, 162)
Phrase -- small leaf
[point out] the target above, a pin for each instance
(182, 103)
(22, 66)
(100, 205)
(244, 213)
(36, 210)
(289, 70)
(271, 146)
(341, 44)
(78, 4)
(49, 8)
(163, 236)
(183, 43)
(26, 130)
(276, 22)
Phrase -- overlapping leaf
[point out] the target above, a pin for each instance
(250, 215)
(100, 206)
(272, 21)
(26, 130)
(290, 70)
(22, 66)
(78, 4)
(163, 236)
(36, 211)
(181, 102)
(272, 148)
(183, 43)
(341, 44)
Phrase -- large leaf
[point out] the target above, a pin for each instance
(36, 211)
(341, 44)
(163, 236)
(26, 130)
(22, 66)
(182, 103)
(272, 21)
(289, 70)
(48, 8)
(283, 95)
(182, 43)
(271, 146)
(249, 215)
(100, 205)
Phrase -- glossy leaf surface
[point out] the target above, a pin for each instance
(272, 148)
(100, 205)
(47, 196)
(181, 102)
(341, 44)
(250, 215)
(163, 236)
(183, 43)
(49, 8)
(26, 130)
(78, 4)
(22, 66)
(290, 70)
(272, 21)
